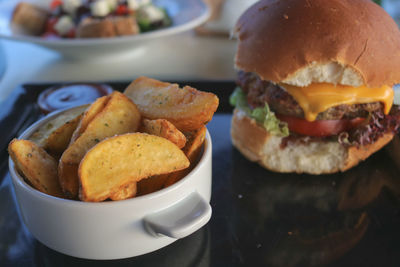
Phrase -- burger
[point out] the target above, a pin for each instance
(315, 84)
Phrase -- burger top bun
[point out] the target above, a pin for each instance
(349, 42)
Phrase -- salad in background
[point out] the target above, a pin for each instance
(89, 18)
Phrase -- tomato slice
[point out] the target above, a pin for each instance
(319, 128)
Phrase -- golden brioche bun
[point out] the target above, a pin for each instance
(317, 157)
(350, 42)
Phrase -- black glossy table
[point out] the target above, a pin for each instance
(259, 218)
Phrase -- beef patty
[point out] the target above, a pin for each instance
(280, 101)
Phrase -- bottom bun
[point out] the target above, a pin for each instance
(315, 157)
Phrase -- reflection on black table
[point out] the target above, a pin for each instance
(344, 219)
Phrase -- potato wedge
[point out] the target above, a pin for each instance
(187, 108)
(127, 191)
(37, 167)
(175, 177)
(40, 135)
(151, 184)
(164, 128)
(192, 150)
(195, 140)
(119, 116)
(59, 139)
(124, 159)
(68, 179)
(95, 108)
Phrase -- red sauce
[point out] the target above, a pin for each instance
(71, 95)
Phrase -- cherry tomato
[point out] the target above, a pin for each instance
(122, 10)
(55, 3)
(319, 128)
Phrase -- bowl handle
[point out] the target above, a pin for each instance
(181, 219)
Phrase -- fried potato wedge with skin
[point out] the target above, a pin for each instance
(91, 112)
(59, 139)
(119, 116)
(68, 179)
(124, 159)
(37, 167)
(164, 128)
(187, 108)
(158, 182)
(42, 134)
(125, 192)
(192, 150)
(195, 140)
(175, 177)
(151, 184)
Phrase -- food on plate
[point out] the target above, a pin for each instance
(119, 115)
(29, 19)
(315, 84)
(38, 167)
(108, 148)
(164, 128)
(187, 108)
(89, 18)
(124, 159)
(108, 27)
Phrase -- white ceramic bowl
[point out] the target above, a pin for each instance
(119, 229)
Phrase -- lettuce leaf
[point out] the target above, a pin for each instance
(263, 116)
(146, 23)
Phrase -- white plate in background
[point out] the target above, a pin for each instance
(185, 15)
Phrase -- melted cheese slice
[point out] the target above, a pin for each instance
(319, 97)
